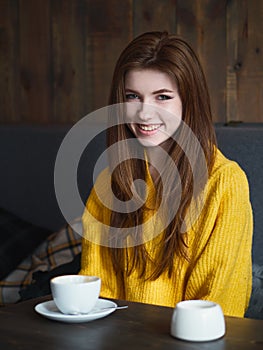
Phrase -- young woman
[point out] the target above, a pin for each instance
(179, 219)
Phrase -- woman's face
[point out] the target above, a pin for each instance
(158, 111)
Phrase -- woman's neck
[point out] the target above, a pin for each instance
(156, 161)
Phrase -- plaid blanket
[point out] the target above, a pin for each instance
(18, 238)
(59, 248)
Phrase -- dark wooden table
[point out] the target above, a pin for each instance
(140, 326)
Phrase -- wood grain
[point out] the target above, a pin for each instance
(152, 15)
(250, 57)
(231, 80)
(109, 29)
(140, 327)
(9, 64)
(202, 24)
(57, 56)
(35, 61)
(68, 60)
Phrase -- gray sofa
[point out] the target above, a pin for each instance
(28, 155)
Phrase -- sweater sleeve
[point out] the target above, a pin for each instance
(221, 269)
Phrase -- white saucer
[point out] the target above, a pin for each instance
(49, 310)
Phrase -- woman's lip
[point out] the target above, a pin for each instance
(148, 129)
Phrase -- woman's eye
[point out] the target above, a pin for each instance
(131, 96)
(164, 97)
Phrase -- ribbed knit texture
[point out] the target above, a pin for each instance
(220, 243)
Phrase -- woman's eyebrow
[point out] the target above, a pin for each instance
(131, 90)
(161, 91)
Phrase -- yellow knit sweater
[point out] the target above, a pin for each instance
(219, 242)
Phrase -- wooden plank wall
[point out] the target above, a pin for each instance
(57, 56)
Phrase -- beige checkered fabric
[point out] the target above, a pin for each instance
(59, 248)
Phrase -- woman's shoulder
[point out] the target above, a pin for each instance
(227, 172)
(223, 164)
(103, 174)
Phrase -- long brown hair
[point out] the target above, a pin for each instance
(172, 55)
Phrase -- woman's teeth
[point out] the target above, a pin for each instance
(148, 127)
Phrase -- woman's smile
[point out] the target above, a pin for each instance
(154, 107)
(148, 129)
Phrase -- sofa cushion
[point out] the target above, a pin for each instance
(53, 256)
(255, 309)
(18, 239)
(244, 144)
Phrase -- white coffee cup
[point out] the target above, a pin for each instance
(75, 294)
(198, 320)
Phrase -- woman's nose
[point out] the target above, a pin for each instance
(145, 112)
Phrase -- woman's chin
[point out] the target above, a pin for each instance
(146, 142)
